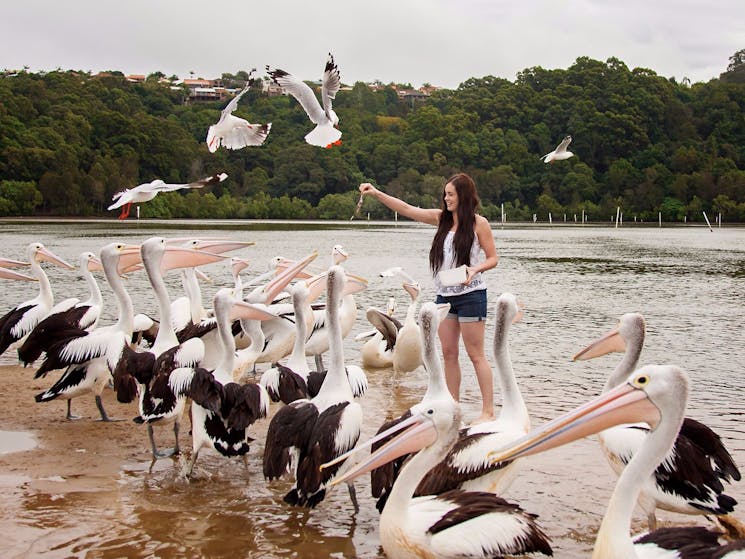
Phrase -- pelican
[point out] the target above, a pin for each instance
(465, 467)
(233, 132)
(193, 320)
(81, 314)
(305, 433)
(90, 356)
(656, 395)
(560, 153)
(149, 190)
(689, 480)
(289, 382)
(456, 523)
(151, 368)
(19, 321)
(222, 410)
(377, 351)
(262, 346)
(407, 353)
(326, 133)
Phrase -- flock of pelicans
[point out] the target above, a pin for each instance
(437, 483)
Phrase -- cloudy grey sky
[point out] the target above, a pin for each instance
(442, 42)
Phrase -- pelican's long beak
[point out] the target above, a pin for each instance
(316, 286)
(624, 404)
(182, 257)
(284, 263)
(612, 341)
(339, 255)
(130, 259)
(49, 256)
(418, 431)
(242, 310)
(276, 285)
(5, 273)
(413, 289)
(236, 265)
(10, 263)
(354, 284)
(94, 265)
(219, 246)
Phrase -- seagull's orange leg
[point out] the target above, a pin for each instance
(125, 211)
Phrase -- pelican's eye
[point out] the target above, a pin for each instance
(641, 381)
(430, 411)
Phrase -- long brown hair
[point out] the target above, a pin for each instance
(468, 203)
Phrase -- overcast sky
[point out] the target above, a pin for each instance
(442, 42)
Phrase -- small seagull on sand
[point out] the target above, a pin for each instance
(233, 132)
(149, 190)
(560, 153)
(325, 134)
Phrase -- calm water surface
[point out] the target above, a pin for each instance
(574, 281)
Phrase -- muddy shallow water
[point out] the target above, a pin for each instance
(87, 489)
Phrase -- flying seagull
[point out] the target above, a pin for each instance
(149, 190)
(326, 133)
(560, 153)
(233, 132)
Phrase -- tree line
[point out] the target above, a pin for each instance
(70, 140)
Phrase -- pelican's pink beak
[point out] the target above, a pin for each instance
(242, 310)
(354, 284)
(182, 257)
(202, 276)
(418, 431)
(237, 265)
(624, 404)
(5, 273)
(612, 341)
(47, 255)
(284, 263)
(130, 259)
(412, 289)
(94, 264)
(316, 286)
(278, 283)
(10, 263)
(220, 246)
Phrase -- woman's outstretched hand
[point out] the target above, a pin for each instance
(367, 188)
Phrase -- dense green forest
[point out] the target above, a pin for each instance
(70, 140)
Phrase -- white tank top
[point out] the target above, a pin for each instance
(448, 263)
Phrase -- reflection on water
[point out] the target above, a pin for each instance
(575, 282)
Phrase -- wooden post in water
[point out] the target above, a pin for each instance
(138, 212)
(659, 218)
(707, 222)
(550, 221)
(502, 213)
(719, 220)
(618, 213)
(583, 217)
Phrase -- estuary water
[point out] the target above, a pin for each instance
(574, 281)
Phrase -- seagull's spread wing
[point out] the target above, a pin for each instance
(214, 179)
(233, 105)
(330, 85)
(300, 91)
(564, 144)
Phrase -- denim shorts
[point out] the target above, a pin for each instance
(469, 307)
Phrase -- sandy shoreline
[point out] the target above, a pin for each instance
(80, 450)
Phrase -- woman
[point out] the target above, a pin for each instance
(461, 238)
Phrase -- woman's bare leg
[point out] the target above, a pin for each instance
(473, 340)
(449, 333)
